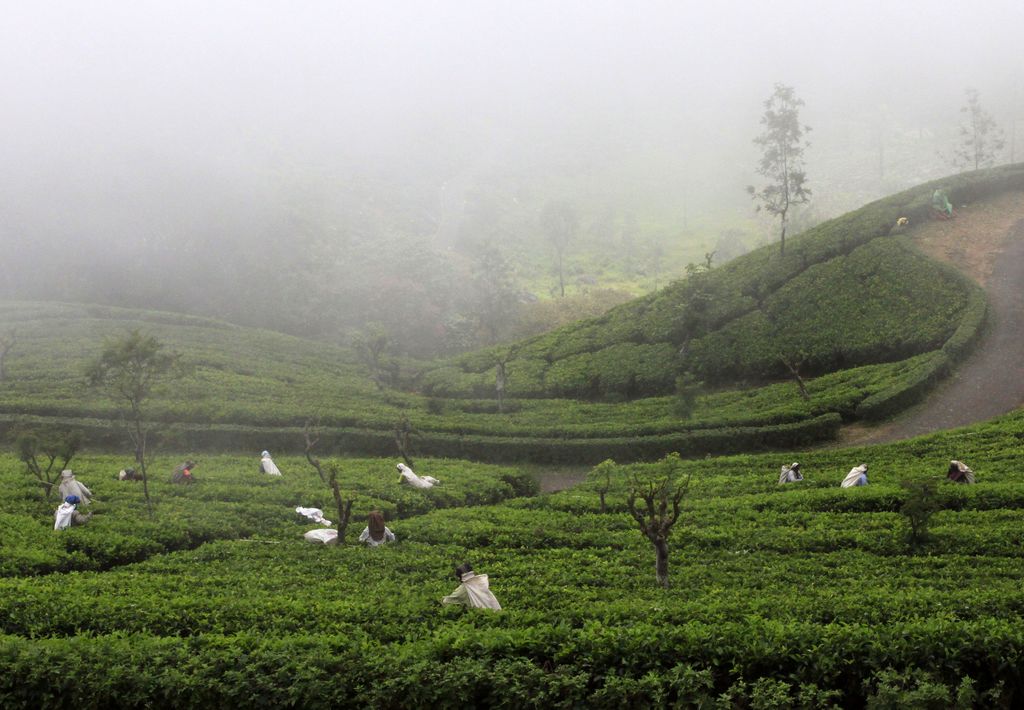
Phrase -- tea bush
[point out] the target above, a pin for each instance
(800, 595)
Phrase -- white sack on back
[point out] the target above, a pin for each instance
(323, 536)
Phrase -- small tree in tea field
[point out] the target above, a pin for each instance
(921, 503)
(36, 448)
(656, 492)
(403, 433)
(328, 475)
(130, 369)
(601, 474)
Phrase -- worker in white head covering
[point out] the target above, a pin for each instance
(413, 480)
(267, 465)
(959, 472)
(791, 473)
(858, 476)
(71, 486)
(473, 591)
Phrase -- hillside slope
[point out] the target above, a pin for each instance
(845, 294)
(988, 240)
(877, 322)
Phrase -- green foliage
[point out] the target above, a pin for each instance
(132, 366)
(921, 503)
(727, 320)
(781, 597)
(782, 141)
(601, 474)
(35, 446)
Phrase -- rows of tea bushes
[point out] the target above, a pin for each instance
(230, 500)
(249, 389)
(804, 595)
(731, 321)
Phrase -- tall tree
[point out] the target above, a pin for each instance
(981, 138)
(130, 369)
(560, 223)
(782, 159)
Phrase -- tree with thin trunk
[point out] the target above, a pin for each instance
(793, 363)
(404, 432)
(782, 160)
(34, 447)
(980, 138)
(6, 343)
(131, 368)
(328, 477)
(501, 360)
(560, 223)
(921, 503)
(601, 475)
(656, 492)
(373, 346)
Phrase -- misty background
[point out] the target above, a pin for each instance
(316, 167)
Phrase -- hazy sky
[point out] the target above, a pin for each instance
(208, 78)
(111, 109)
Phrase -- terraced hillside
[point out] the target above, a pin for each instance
(805, 595)
(845, 294)
(874, 322)
(249, 390)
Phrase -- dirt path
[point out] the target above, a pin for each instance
(986, 242)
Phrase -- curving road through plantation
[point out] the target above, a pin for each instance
(986, 241)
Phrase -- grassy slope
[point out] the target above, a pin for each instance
(807, 590)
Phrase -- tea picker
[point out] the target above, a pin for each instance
(376, 532)
(791, 473)
(183, 474)
(858, 476)
(473, 591)
(71, 486)
(959, 472)
(267, 465)
(67, 514)
(414, 480)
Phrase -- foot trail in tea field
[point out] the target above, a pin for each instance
(985, 241)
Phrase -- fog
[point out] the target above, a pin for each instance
(315, 166)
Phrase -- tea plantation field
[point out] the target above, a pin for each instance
(248, 389)
(799, 596)
(874, 321)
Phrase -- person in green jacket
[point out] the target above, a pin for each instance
(941, 204)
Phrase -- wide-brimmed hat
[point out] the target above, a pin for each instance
(66, 473)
